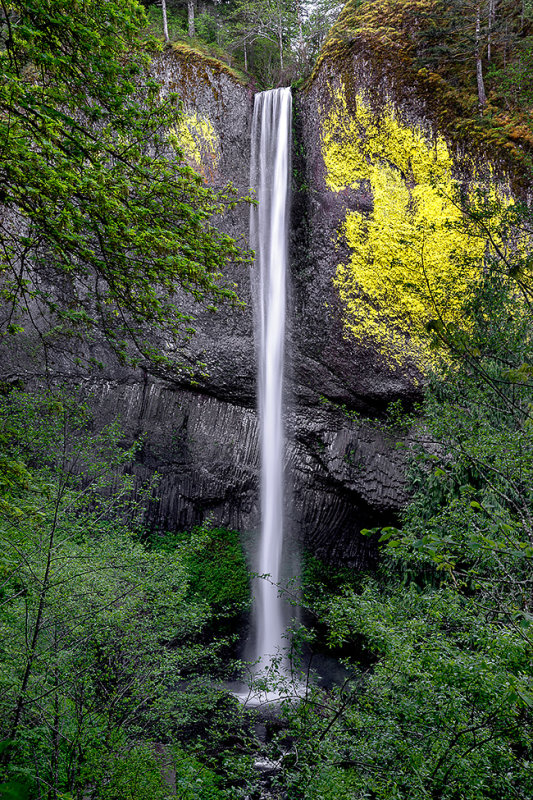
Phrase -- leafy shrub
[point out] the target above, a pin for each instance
(216, 568)
(195, 781)
(131, 775)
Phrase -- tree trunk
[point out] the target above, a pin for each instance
(54, 755)
(492, 20)
(190, 17)
(165, 21)
(482, 97)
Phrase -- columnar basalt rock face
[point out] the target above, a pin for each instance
(344, 474)
(203, 449)
(200, 436)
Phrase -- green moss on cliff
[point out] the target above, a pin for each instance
(373, 45)
(198, 54)
(411, 258)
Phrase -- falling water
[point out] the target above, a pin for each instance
(271, 133)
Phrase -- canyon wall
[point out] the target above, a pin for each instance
(200, 434)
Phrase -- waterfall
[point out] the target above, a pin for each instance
(270, 176)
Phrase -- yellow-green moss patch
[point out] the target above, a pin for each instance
(199, 142)
(410, 260)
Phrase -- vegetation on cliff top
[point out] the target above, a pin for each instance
(273, 41)
(471, 62)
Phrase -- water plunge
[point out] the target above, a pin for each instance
(270, 176)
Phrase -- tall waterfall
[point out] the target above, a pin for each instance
(270, 175)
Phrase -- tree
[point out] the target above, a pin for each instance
(165, 20)
(104, 225)
(190, 17)
(318, 19)
(262, 27)
(482, 97)
(494, 34)
(476, 45)
(97, 631)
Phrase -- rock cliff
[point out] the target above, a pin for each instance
(201, 435)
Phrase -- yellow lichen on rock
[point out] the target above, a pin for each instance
(410, 260)
(199, 142)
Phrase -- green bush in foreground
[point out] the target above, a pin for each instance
(98, 634)
(217, 570)
(442, 705)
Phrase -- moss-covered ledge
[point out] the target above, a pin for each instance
(199, 57)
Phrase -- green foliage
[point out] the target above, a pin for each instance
(102, 210)
(97, 633)
(439, 714)
(446, 37)
(274, 41)
(319, 578)
(217, 569)
(438, 696)
(176, 22)
(15, 790)
(135, 773)
(219, 574)
(195, 781)
(333, 783)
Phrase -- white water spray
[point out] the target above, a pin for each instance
(270, 175)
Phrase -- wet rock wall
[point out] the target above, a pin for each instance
(200, 436)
